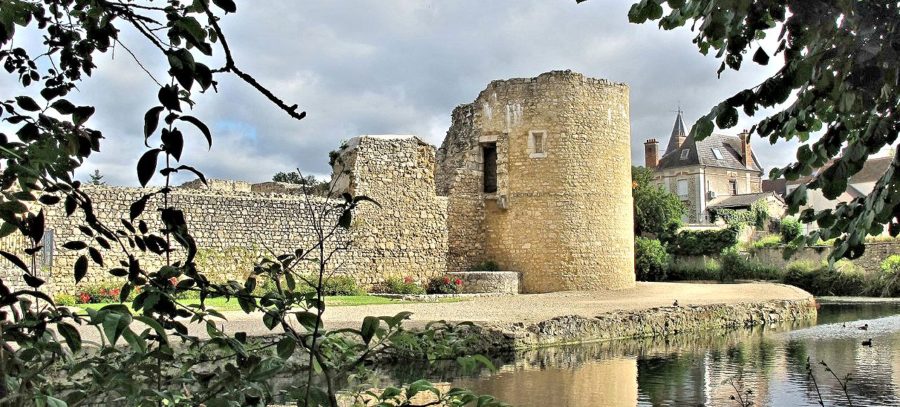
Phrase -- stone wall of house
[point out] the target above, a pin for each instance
(561, 217)
(233, 227)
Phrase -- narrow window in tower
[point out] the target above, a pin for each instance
(489, 156)
(537, 144)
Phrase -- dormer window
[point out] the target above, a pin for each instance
(684, 154)
(717, 153)
(537, 144)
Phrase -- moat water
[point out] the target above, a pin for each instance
(765, 366)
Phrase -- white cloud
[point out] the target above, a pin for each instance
(400, 66)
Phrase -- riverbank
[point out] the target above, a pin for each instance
(536, 320)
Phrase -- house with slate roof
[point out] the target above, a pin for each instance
(719, 171)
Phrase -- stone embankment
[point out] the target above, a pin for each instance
(653, 322)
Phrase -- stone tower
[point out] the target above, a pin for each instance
(537, 172)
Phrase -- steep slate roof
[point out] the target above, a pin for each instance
(677, 131)
(701, 153)
(740, 201)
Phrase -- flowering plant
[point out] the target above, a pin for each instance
(444, 285)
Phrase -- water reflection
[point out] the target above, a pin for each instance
(707, 370)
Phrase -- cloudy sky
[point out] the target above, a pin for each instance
(399, 67)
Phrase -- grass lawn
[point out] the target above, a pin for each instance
(220, 304)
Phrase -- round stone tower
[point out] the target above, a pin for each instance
(538, 176)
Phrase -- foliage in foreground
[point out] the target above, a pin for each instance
(146, 354)
(838, 66)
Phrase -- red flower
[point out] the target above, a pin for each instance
(103, 291)
(408, 280)
(115, 292)
(458, 282)
(446, 280)
(84, 297)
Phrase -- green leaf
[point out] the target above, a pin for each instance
(147, 166)
(32, 281)
(285, 347)
(14, 260)
(81, 268)
(369, 327)
(173, 142)
(168, 96)
(63, 106)
(727, 118)
(227, 5)
(27, 103)
(201, 126)
(308, 320)
(75, 245)
(151, 121)
(82, 114)
(760, 57)
(152, 323)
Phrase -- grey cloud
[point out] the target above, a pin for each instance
(369, 67)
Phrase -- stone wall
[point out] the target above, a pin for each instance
(476, 282)
(233, 227)
(876, 252)
(407, 234)
(654, 322)
(562, 216)
(870, 261)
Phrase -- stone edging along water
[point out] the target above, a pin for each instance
(659, 321)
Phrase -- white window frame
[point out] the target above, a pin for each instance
(684, 153)
(678, 190)
(717, 153)
(533, 151)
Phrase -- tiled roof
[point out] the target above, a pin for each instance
(871, 171)
(778, 186)
(739, 201)
(701, 153)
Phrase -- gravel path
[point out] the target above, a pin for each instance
(530, 308)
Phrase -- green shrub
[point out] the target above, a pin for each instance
(710, 270)
(801, 273)
(791, 229)
(765, 242)
(485, 266)
(736, 266)
(703, 242)
(844, 278)
(397, 285)
(888, 283)
(444, 285)
(334, 285)
(650, 259)
(66, 300)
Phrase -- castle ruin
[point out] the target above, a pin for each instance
(533, 175)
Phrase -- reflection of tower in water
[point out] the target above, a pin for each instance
(606, 382)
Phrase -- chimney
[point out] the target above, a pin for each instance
(746, 152)
(651, 153)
